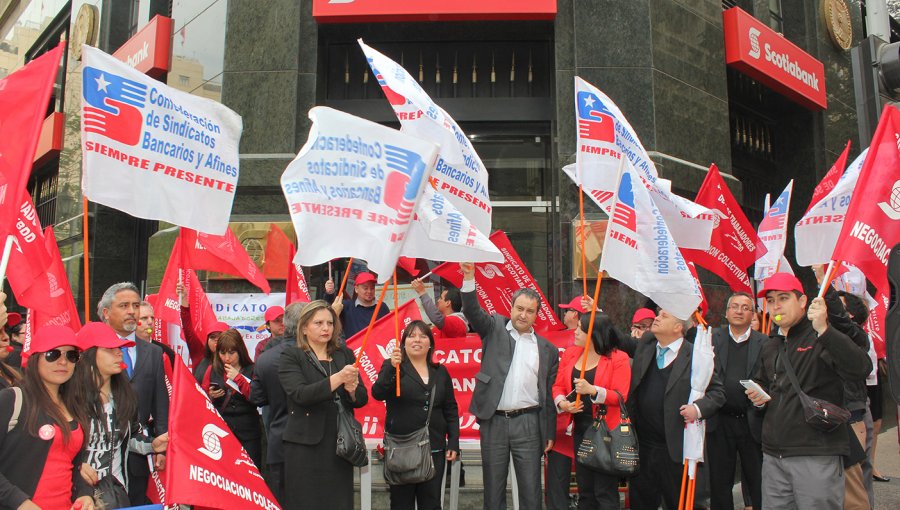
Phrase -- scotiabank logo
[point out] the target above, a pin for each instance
(754, 42)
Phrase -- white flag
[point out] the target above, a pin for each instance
(816, 234)
(353, 188)
(459, 174)
(153, 151)
(639, 251)
(604, 138)
(773, 233)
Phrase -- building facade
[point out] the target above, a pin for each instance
(504, 72)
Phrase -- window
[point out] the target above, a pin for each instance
(776, 16)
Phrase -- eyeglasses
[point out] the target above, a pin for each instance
(54, 354)
(640, 327)
(742, 308)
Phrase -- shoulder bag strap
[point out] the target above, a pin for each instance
(623, 412)
(790, 372)
(430, 406)
(17, 409)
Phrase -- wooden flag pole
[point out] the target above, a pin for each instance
(397, 329)
(87, 265)
(362, 349)
(589, 332)
(340, 293)
(581, 239)
(4, 262)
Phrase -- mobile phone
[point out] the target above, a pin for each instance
(752, 385)
(214, 386)
(571, 396)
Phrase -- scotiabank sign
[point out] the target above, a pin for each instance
(149, 50)
(763, 54)
(354, 11)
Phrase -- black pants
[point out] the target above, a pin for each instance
(732, 438)
(421, 496)
(559, 476)
(275, 480)
(659, 480)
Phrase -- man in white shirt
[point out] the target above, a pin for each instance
(512, 399)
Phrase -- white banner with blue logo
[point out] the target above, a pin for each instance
(640, 252)
(153, 151)
(352, 190)
(459, 174)
(604, 138)
(816, 234)
(773, 233)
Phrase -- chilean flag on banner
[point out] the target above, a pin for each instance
(643, 255)
(206, 463)
(773, 233)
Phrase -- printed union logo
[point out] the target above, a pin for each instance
(892, 207)
(212, 446)
(489, 271)
(754, 42)
(113, 105)
(595, 121)
(402, 185)
(624, 213)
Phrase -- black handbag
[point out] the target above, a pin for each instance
(611, 452)
(407, 457)
(110, 494)
(350, 443)
(351, 446)
(818, 413)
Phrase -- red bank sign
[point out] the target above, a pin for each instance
(353, 11)
(763, 54)
(149, 50)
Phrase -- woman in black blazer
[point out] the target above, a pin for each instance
(419, 377)
(312, 373)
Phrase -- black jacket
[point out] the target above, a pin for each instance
(721, 337)
(678, 390)
(309, 393)
(22, 457)
(265, 389)
(407, 413)
(822, 365)
(855, 392)
(149, 384)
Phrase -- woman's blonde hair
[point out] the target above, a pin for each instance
(306, 315)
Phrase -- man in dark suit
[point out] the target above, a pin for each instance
(266, 390)
(512, 399)
(737, 427)
(657, 402)
(120, 307)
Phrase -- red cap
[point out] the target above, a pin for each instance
(13, 319)
(780, 281)
(273, 312)
(574, 304)
(98, 334)
(362, 278)
(218, 327)
(642, 314)
(48, 338)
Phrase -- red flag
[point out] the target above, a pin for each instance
(206, 463)
(23, 106)
(409, 265)
(875, 324)
(279, 254)
(704, 305)
(60, 294)
(296, 289)
(831, 178)
(382, 341)
(872, 224)
(496, 284)
(734, 244)
(221, 254)
(29, 279)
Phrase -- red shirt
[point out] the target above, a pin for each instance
(54, 489)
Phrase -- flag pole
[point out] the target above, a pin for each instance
(397, 328)
(684, 486)
(365, 341)
(589, 332)
(4, 263)
(340, 292)
(830, 275)
(581, 239)
(87, 265)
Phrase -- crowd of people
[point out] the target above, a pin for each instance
(87, 413)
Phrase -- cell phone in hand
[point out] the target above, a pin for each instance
(571, 396)
(752, 385)
(214, 386)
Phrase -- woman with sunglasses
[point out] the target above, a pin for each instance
(111, 408)
(420, 376)
(42, 446)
